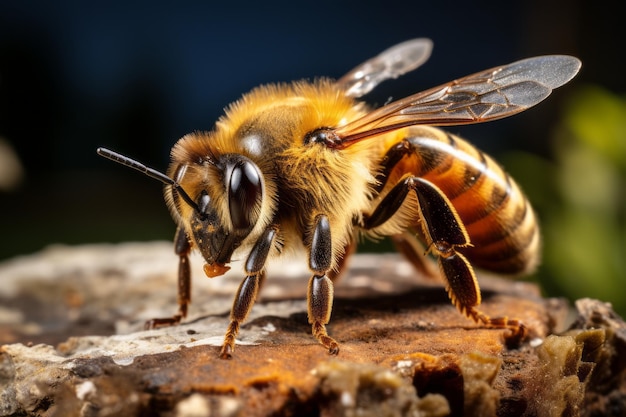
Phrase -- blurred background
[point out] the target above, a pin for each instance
(136, 76)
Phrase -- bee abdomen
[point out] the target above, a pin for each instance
(499, 220)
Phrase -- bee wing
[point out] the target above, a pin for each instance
(488, 95)
(391, 63)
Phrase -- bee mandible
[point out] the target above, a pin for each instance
(307, 166)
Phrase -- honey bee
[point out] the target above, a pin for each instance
(308, 166)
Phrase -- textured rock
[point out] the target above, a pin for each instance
(72, 319)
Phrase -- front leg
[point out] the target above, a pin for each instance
(182, 247)
(320, 290)
(249, 288)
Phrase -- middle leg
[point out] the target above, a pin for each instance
(320, 289)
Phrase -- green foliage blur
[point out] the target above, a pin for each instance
(581, 199)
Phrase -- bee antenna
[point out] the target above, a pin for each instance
(151, 172)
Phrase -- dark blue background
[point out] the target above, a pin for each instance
(135, 76)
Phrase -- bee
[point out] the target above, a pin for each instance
(309, 167)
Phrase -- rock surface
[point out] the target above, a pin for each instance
(71, 326)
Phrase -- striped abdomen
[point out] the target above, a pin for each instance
(499, 219)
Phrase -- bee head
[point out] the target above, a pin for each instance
(224, 204)
(217, 201)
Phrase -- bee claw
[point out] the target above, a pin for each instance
(226, 352)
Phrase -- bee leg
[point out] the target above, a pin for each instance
(392, 158)
(464, 293)
(320, 289)
(182, 247)
(248, 289)
(443, 227)
(446, 231)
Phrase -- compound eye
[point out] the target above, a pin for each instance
(245, 192)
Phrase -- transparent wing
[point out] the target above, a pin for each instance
(391, 63)
(488, 95)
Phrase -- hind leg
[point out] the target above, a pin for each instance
(444, 231)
